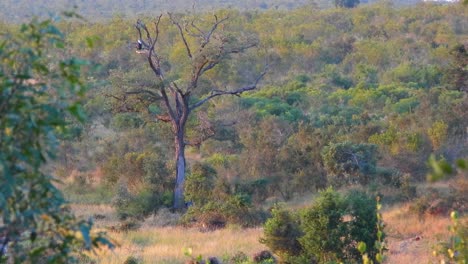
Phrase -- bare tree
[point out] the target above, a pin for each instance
(205, 48)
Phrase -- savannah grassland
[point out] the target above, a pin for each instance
(411, 238)
(354, 98)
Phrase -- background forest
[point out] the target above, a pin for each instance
(355, 98)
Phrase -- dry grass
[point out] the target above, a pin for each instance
(412, 239)
(166, 245)
(87, 210)
(152, 244)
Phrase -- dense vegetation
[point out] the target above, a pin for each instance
(40, 90)
(320, 234)
(102, 10)
(357, 97)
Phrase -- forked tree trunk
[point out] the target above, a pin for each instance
(179, 201)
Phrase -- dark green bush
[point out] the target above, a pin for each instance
(362, 226)
(281, 233)
(347, 162)
(140, 205)
(132, 260)
(199, 184)
(327, 232)
(324, 228)
(217, 213)
(122, 121)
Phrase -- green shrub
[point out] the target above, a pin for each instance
(349, 162)
(132, 260)
(362, 227)
(281, 233)
(138, 205)
(327, 232)
(199, 184)
(324, 228)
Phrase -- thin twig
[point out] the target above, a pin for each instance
(237, 92)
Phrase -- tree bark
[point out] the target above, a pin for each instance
(179, 201)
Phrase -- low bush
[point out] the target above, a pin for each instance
(140, 205)
(132, 260)
(281, 233)
(215, 203)
(238, 258)
(236, 209)
(327, 232)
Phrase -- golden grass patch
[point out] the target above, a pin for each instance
(166, 245)
(411, 238)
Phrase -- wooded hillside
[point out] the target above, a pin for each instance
(352, 96)
(219, 114)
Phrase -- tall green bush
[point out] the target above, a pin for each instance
(281, 233)
(324, 228)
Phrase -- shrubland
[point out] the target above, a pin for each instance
(356, 96)
(353, 99)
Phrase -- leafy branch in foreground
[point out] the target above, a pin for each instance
(40, 88)
(379, 245)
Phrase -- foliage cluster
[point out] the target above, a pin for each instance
(327, 232)
(215, 203)
(40, 91)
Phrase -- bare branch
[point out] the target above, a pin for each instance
(168, 104)
(207, 36)
(241, 49)
(139, 26)
(182, 35)
(123, 107)
(151, 94)
(155, 63)
(223, 52)
(237, 92)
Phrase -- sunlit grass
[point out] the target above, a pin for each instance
(412, 238)
(167, 245)
(152, 244)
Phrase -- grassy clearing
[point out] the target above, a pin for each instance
(153, 244)
(166, 245)
(411, 238)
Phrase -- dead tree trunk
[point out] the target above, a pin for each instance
(180, 170)
(178, 125)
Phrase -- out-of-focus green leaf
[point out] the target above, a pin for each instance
(78, 112)
(462, 164)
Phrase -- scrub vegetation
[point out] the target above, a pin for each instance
(268, 131)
